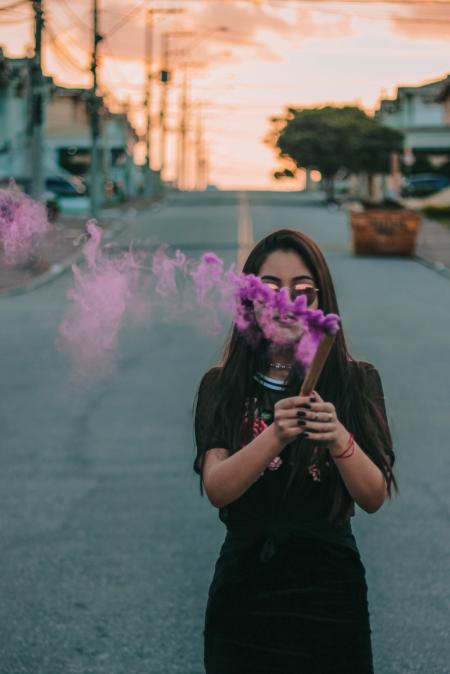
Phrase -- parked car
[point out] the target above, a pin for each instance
(66, 187)
(424, 184)
(73, 193)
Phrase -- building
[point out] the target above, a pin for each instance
(67, 132)
(423, 114)
(68, 139)
(13, 116)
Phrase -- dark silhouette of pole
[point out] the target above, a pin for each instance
(183, 132)
(95, 187)
(37, 97)
(148, 99)
(164, 77)
(200, 152)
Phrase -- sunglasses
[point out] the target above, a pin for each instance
(309, 291)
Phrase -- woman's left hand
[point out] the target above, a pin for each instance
(322, 424)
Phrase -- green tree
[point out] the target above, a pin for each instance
(371, 149)
(331, 138)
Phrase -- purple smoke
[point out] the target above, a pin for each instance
(110, 288)
(257, 309)
(22, 222)
(164, 270)
(101, 296)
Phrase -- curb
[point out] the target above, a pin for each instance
(59, 268)
(438, 267)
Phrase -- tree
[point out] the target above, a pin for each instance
(371, 149)
(331, 138)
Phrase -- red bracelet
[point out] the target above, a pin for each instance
(349, 451)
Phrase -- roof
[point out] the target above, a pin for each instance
(425, 89)
(437, 91)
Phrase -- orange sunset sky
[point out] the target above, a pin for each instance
(273, 53)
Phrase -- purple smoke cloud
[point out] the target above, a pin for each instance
(101, 297)
(22, 222)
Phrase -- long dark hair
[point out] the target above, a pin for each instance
(344, 381)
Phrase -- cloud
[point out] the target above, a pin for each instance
(422, 23)
(261, 30)
(312, 23)
(242, 21)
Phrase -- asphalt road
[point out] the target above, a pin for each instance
(107, 549)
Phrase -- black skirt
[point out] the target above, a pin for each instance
(304, 611)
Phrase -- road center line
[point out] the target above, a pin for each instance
(244, 229)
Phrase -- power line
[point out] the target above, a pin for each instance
(127, 17)
(122, 78)
(275, 3)
(13, 5)
(61, 47)
(74, 15)
(68, 39)
(61, 50)
(8, 22)
(341, 2)
(364, 2)
(120, 83)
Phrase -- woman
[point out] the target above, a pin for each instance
(289, 593)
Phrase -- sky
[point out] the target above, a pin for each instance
(247, 60)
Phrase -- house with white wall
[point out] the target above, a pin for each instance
(67, 134)
(68, 138)
(423, 114)
(13, 116)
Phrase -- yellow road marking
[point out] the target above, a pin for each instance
(244, 230)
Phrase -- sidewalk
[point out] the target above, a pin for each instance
(62, 246)
(433, 245)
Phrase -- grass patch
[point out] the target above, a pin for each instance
(439, 213)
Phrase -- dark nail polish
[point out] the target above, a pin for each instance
(305, 405)
(301, 423)
(306, 435)
(313, 400)
(301, 414)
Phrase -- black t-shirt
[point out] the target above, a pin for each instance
(263, 513)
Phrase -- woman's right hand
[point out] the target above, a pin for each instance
(287, 415)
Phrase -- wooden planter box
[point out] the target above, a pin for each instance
(385, 232)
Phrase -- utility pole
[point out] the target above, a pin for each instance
(148, 99)
(95, 188)
(201, 161)
(37, 94)
(164, 77)
(183, 131)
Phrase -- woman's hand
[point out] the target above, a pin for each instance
(287, 414)
(322, 424)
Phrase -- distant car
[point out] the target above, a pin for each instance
(73, 193)
(424, 184)
(66, 187)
